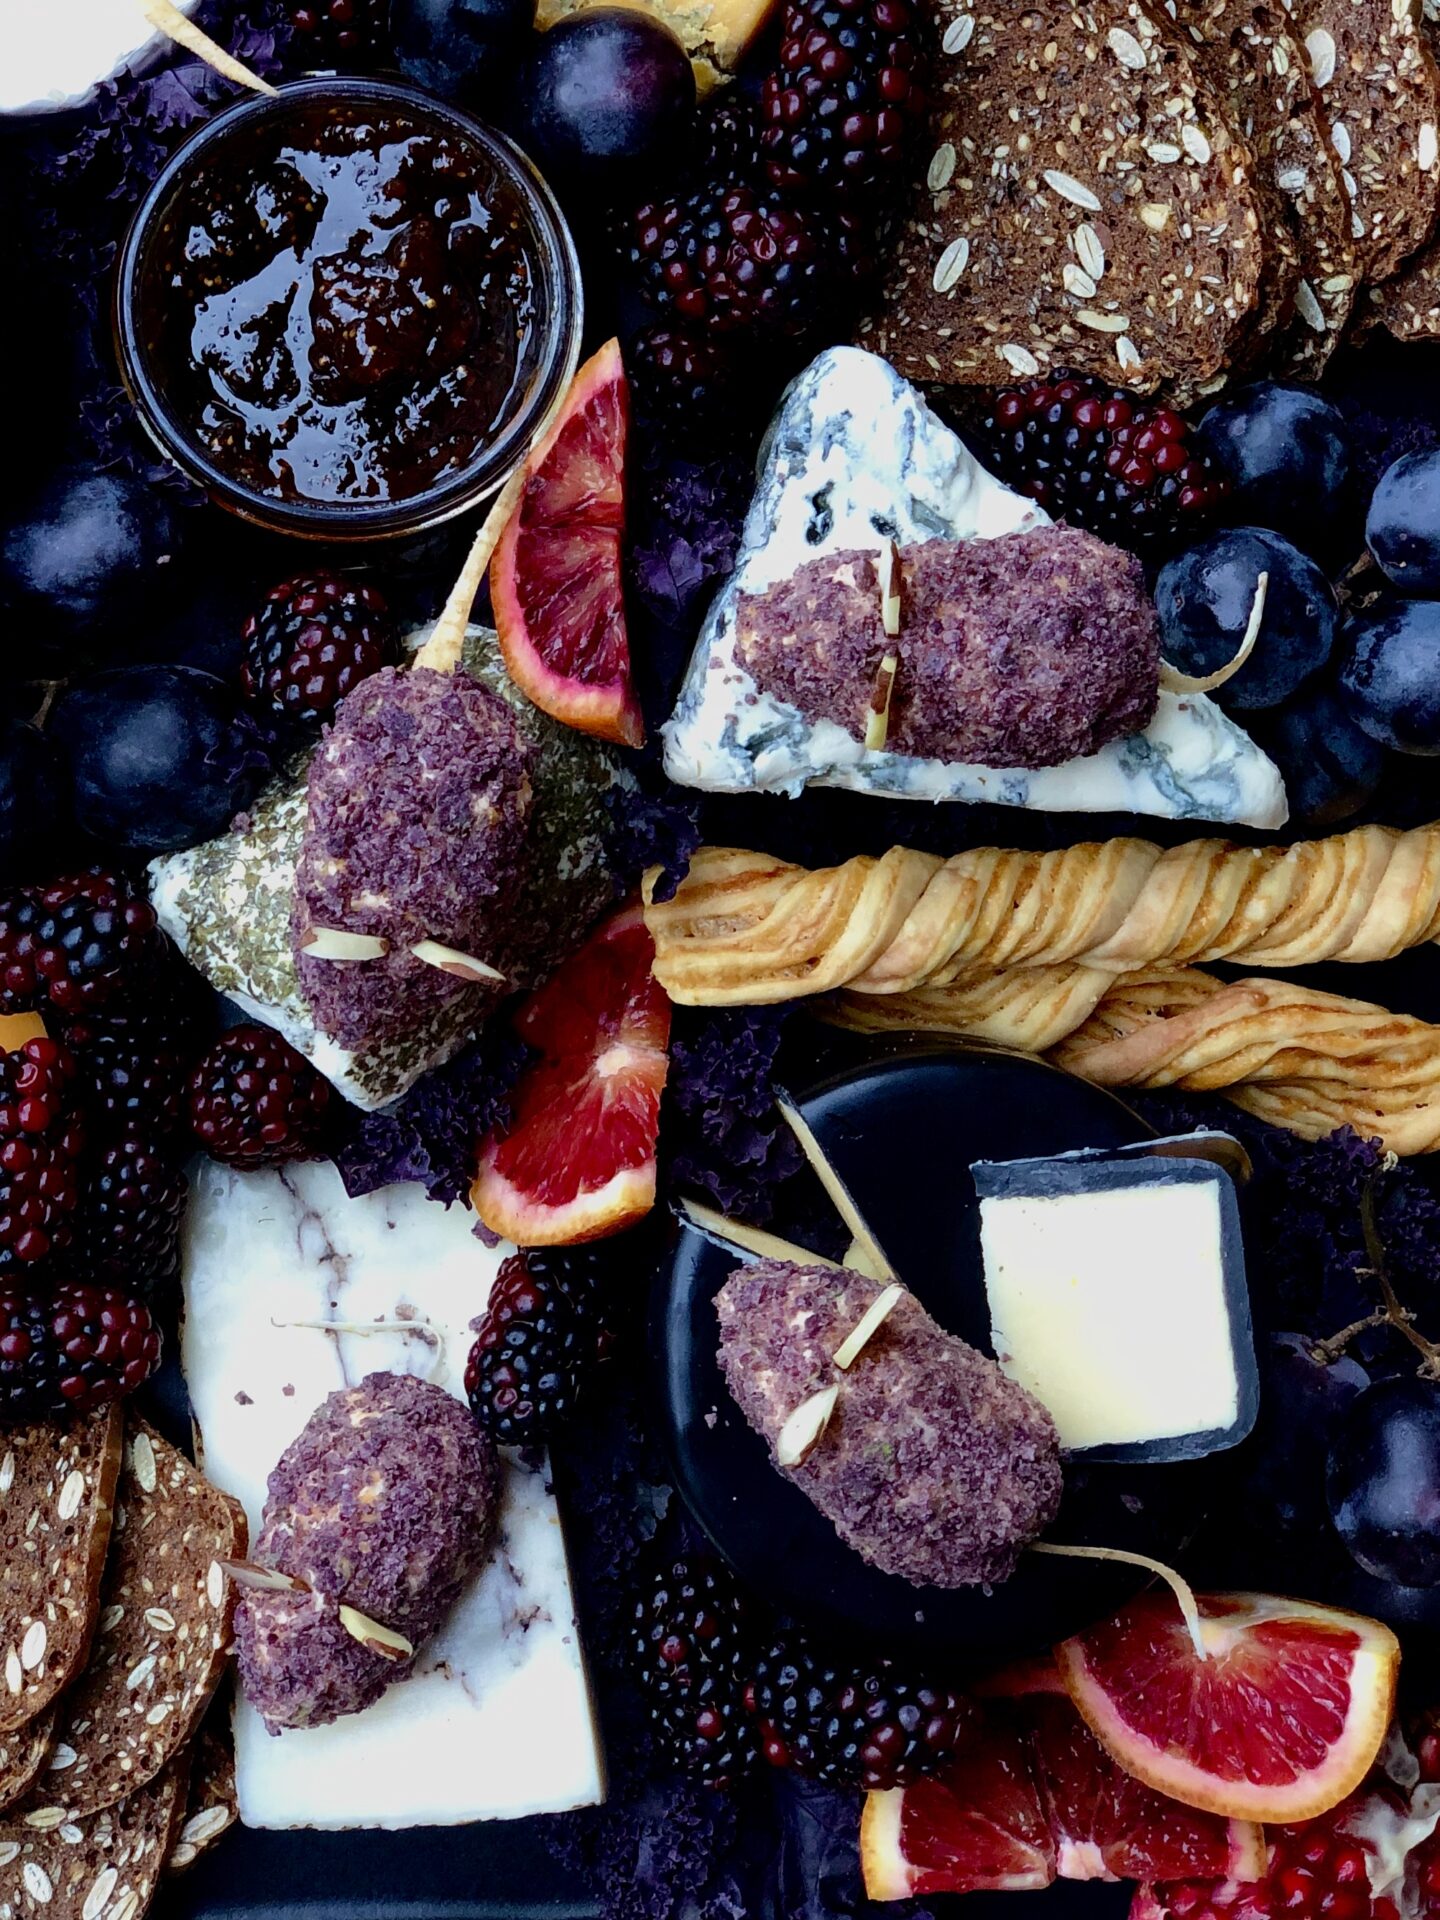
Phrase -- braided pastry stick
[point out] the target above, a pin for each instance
(745, 928)
(1302, 1059)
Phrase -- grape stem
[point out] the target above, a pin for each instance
(1393, 1311)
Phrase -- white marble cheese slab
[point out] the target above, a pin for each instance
(496, 1721)
(855, 457)
(57, 52)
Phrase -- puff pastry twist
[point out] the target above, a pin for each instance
(745, 928)
(1289, 1054)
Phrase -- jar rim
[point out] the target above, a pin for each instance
(481, 477)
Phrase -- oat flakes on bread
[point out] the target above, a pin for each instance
(105, 1867)
(23, 1754)
(1251, 51)
(212, 1806)
(1380, 88)
(1086, 204)
(57, 1486)
(163, 1638)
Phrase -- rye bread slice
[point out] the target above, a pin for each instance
(1086, 204)
(163, 1638)
(1233, 53)
(57, 1485)
(1380, 90)
(23, 1754)
(212, 1806)
(1249, 49)
(105, 1867)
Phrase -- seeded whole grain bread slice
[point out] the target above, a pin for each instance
(1232, 52)
(1408, 304)
(212, 1806)
(104, 1867)
(57, 1486)
(1250, 51)
(1086, 204)
(23, 1754)
(163, 1639)
(1380, 89)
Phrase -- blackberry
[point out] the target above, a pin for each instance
(685, 383)
(82, 942)
(535, 1344)
(842, 108)
(41, 1141)
(135, 1064)
(253, 1101)
(691, 1646)
(727, 142)
(71, 1350)
(313, 640)
(128, 1224)
(345, 33)
(731, 257)
(854, 1725)
(1101, 458)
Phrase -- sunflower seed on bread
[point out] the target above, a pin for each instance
(57, 1485)
(163, 1637)
(103, 1867)
(1100, 213)
(211, 1808)
(1249, 50)
(1380, 89)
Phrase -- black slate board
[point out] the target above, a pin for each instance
(903, 1121)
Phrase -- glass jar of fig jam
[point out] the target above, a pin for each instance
(345, 310)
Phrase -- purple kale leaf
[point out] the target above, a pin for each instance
(720, 1132)
(430, 1136)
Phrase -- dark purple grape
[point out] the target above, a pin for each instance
(1392, 678)
(1402, 529)
(1204, 597)
(1331, 768)
(460, 49)
(159, 757)
(1383, 1480)
(1288, 457)
(78, 569)
(605, 97)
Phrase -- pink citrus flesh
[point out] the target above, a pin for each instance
(576, 1159)
(556, 578)
(1280, 1720)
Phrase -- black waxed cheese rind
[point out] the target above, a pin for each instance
(1091, 1172)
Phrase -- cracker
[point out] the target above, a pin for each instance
(57, 1485)
(22, 1755)
(212, 1806)
(1380, 90)
(163, 1638)
(1086, 204)
(1250, 51)
(105, 1867)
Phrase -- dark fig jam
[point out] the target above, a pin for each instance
(346, 302)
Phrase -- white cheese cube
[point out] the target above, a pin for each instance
(1117, 1297)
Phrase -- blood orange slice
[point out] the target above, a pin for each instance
(556, 578)
(976, 1827)
(576, 1160)
(1279, 1721)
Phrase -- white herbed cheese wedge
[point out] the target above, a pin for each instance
(57, 52)
(496, 1720)
(855, 458)
(1117, 1296)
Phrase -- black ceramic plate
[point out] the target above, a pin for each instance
(903, 1125)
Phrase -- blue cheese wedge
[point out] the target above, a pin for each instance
(291, 1291)
(1117, 1296)
(227, 903)
(854, 459)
